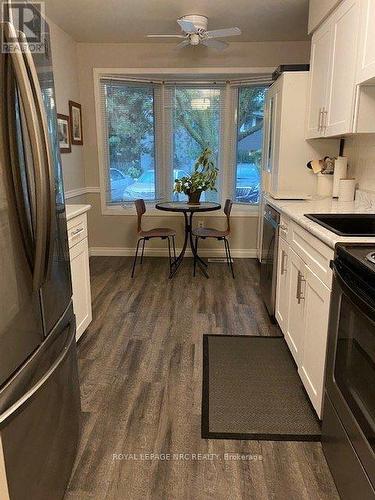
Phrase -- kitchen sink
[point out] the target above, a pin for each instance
(346, 224)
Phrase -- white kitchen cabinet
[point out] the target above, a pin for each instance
(286, 152)
(282, 292)
(319, 74)
(302, 304)
(313, 352)
(338, 117)
(79, 266)
(332, 99)
(366, 55)
(296, 306)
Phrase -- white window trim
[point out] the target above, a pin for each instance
(239, 210)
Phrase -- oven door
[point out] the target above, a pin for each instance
(350, 381)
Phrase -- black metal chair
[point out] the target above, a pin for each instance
(206, 232)
(165, 233)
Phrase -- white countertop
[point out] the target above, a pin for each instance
(296, 210)
(75, 210)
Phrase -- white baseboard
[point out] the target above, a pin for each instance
(237, 253)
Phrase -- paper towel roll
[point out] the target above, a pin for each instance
(341, 170)
(347, 189)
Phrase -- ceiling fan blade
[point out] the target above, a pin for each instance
(187, 26)
(165, 36)
(216, 44)
(223, 33)
(184, 43)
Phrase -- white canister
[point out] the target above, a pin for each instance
(347, 189)
(325, 185)
(340, 172)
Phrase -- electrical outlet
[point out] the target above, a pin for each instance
(201, 223)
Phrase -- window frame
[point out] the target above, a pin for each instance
(157, 75)
(233, 140)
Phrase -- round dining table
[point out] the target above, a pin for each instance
(188, 211)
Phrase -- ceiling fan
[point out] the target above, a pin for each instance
(194, 32)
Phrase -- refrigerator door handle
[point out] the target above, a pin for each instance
(41, 382)
(31, 117)
(26, 231)
(48, 173)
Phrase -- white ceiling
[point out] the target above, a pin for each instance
(131, 20)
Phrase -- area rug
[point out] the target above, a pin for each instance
(252, 390)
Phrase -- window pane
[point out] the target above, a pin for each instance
(196, 126)
(249, 144)
(131, 141)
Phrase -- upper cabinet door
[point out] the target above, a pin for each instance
(366, 56)
(339, 111)
(320, 57)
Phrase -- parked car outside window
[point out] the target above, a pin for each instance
(118, 182)
(144, 186)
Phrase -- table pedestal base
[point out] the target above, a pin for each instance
(188, 239)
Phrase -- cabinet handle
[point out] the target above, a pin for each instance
(320, 119)
(324, 118)
(300, 280)
(76, 232)
(283, 267)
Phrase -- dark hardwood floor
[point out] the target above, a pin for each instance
(141, 372)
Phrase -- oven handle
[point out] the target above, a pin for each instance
(354, 292)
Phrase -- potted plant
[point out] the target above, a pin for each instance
(202, 179)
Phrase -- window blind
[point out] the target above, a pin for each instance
(153, 130)
(194, 117)
(131, 117)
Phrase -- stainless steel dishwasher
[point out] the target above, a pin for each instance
(268, 264)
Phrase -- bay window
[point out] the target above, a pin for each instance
(195, 121)
(151, 133)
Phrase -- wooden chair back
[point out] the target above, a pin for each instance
(227, 210)
(140, 207)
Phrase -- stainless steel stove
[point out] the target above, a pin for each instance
(348, 433)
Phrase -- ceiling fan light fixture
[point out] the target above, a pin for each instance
(194, 39)
(200, 103)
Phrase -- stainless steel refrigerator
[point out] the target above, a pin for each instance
(39, 389)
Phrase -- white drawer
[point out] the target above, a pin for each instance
(315, 254)
(284, 228)
(77, 229)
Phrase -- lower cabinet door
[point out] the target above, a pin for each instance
(296, 305)
(79, 264)
(282, 292)
(312, 362)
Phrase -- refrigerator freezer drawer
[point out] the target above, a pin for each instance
(40, 431)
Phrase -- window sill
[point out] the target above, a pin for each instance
(238, 211)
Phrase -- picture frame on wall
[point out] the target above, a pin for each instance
(76, 132)
(63, 132)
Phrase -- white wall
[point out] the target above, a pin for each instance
(65, 66)
(118, 233)
(360, 151)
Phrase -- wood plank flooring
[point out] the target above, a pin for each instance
(141, 373)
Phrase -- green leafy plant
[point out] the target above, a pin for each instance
(202, 179)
